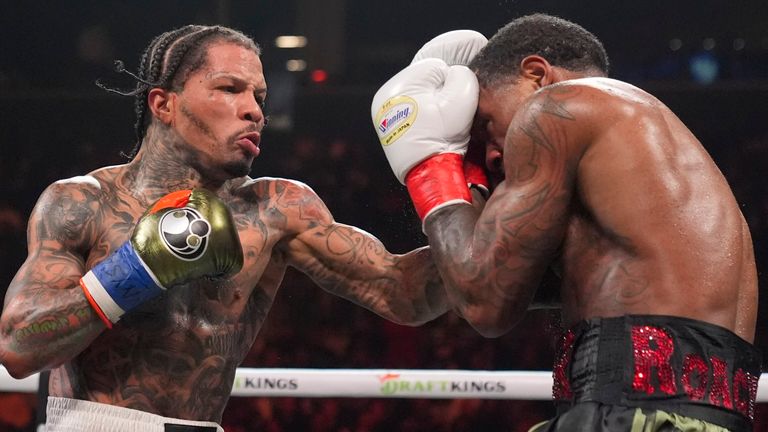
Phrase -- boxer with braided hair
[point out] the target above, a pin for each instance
(163, 56)
(146, 283)
(600, 181)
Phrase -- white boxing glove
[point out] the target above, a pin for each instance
(457, 47)
(423, 116)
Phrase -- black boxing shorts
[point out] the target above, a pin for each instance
(653, 373)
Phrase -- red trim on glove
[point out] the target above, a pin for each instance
(435, 181)
(95, 305)
(176, 199)
(477, 178)
(474, 168)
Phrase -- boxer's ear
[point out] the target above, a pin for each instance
(162, 103)
(537, 69)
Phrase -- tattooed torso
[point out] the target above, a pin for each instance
(177, 354)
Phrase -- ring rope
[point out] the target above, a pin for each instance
(379, 383)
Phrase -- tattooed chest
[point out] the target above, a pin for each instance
(204, 316)
(175, 356)
(188, 325)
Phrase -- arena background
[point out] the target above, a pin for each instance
(708, 60)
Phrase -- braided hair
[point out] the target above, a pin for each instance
(167, 63)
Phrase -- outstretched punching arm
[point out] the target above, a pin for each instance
(353, 264)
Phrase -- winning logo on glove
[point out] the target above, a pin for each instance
(394, 118)
(185, 233)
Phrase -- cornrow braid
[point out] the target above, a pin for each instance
(168, 61)
(149, 70)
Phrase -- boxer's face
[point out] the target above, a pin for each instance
(219, 111)
(496, 107)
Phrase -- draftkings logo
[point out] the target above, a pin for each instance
(392, 384)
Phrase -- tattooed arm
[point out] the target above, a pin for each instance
(46, 318)
(492, 261)
(353, 264)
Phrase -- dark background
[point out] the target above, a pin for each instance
(708, 60)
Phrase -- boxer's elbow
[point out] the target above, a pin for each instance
(412, 319)
(490, 321)
(17, 366)
(17, 370)
(2, 357)
(20, 366)
(429, 310)
(489, 330)
(411, 322)
(416, 310)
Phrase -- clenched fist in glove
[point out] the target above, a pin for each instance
(423, 116)
(459, 47)
(185, 235)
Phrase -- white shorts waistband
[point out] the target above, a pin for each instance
(74, 415)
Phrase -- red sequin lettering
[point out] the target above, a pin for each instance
(720, 394)
(561, 387)
(652, 347)
(744, 392)
(695, 370)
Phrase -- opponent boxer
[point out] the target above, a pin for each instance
(147, 283)
(605, 183)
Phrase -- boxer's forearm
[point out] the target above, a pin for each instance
(412, 302)
(405, 289)
(42, 328)
(420, 296)
(482, 285)
(450, 231)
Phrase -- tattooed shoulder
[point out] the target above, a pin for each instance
(557, 100)
(289, 206)
(68, 211)
(302, 206)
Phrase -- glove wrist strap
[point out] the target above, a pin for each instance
(119, 284)
(436, 182)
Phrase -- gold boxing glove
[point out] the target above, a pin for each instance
(183, 236)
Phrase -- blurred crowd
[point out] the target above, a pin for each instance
(310, 328)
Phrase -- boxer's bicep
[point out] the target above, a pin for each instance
(44, 302)
(60, 226)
